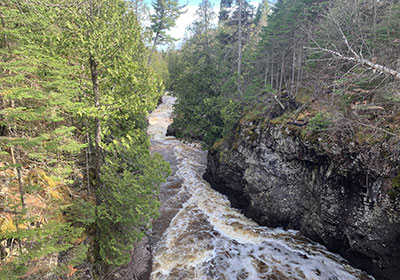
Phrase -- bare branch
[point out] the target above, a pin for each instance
(380, 129)
(344, 37)
(362, 61)
(280, 104)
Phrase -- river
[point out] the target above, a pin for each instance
(199, 236)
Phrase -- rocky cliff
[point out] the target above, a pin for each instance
(341, 194)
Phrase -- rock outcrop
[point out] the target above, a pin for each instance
(337, 194)
(171, 130)
(139, 268)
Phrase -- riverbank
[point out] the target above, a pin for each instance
(337, 193)
(200, 236)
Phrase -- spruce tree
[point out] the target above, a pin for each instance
(74, 77)
(166, 12)
(37, 143)
(120, 90)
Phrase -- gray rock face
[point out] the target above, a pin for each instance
(139, 268)
(336, 195)
(171, 131)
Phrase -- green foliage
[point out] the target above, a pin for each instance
(38, 92)
(231, 114)
(395, 191)
(318, 123)
(81, 213)
(174, 69)
(260, 18)
(38, 97)
(166, 12)
(159, 65)
(194, 77)
(140, 9)
(205, 16)
(53, 54)
(130, 178)
(199, 120)
(44, 242)
(283, 23)
(203, 77)
(312, 60)
(128, 90)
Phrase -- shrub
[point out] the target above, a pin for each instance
(318, 123)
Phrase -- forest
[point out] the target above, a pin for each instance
(298, 103)
(337, 58)
(78, 183)
(77, 177)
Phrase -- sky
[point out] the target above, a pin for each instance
(187, 18)
(178, 32)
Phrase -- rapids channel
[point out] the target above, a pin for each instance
(199, 236)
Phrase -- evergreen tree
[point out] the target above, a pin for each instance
(120, 91)
(140, 9)
(260, 18)
(283, 40)
(225, 6)
(204, 20)
(75, 76)
(131, 176)
(166, 12)
(37, 143)
(196, 83)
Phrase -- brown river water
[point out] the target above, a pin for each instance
(199, 235)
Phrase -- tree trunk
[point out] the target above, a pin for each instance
(299, 73)
(14, 161)
(5, 38)
(364, 62)
(153, 48)
(88, 161)
(272, 73)
(240, 49)
(97, 128)
(293, 70)
(281, 74)
(374, 23)
(19, 176)
(358, 58)
(98, 155)
(266, 73)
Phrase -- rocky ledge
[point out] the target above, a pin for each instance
(340, 195)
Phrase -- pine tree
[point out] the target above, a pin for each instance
(282, 42)
(260, 18)
(225, 6)
(166, 12)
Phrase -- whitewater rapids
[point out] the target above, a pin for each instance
(199, 235)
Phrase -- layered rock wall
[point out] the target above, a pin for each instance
(336, 194)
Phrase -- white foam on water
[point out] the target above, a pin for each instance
(207, 239)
